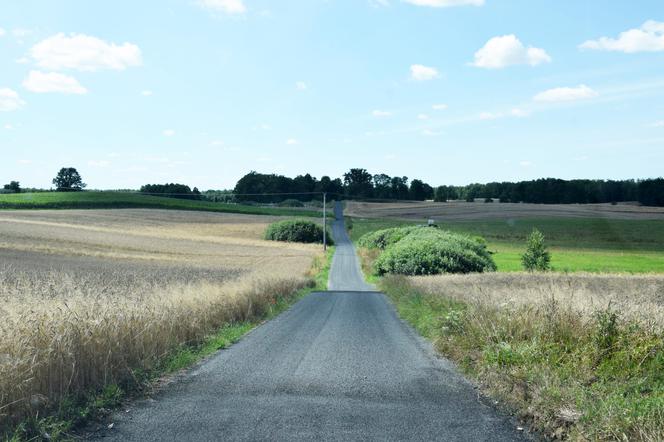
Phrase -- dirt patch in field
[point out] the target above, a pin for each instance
(463, 211)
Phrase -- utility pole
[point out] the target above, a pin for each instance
(324, 221)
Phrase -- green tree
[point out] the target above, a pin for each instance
(68, 179)
(537, 257)
(359, 183)
(13, 186)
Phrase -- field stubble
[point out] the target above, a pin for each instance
(88, 298)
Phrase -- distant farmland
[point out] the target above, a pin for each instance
(594, 237)
(117, 200)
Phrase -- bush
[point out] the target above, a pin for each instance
(296, 231)
(291, 203)
(381, 239)
(536, 258)
(427, 251)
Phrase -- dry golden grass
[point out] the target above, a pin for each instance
(639, 297)
(87, 297)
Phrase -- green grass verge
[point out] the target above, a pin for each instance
(120, 200)
(568, 376)
(589, 245)
(76, 412)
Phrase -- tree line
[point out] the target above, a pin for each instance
(648, 192)
(356, 183)
(360, 184)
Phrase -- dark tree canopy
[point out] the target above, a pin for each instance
(359, 183)
(68, 180)
(13, 186)
(172, 190)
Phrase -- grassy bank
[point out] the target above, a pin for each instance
(590, 245)
(582, 374)
(87, 356)
(120, 200)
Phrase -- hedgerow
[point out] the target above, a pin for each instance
(427, 251)
(296, 231)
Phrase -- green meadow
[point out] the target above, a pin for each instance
(576, 244)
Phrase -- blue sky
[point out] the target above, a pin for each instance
(450, 91)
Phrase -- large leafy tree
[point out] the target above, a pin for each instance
(68, 179)
(358, 183)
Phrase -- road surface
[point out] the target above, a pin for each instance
(338, 365)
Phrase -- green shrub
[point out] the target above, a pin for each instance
(296, 231)
(381, 239)
(536, 258)
(427, 251)
(291, 203)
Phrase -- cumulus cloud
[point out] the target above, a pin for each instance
(147, 93)
(507, 50)
(2, 32)
(422, 117)
(292, 142)
(381, 113)
(225, 6)
(169, 132)
(445, 3)
(301, 86)
(84, 53)
(10, 100)
(558, 94)
(420, 72)
(41, 82)
(439, 107)
(99, 163)
(658, 124)
(648, 38)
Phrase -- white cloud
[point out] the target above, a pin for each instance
(216, 143)
(84, 53)
(489, 116)
(525, 163)
(391, 157)
(9, 127)
(648, 38)
(379, 3)
(658, 124)
(21, 32)
(507, 50)
(420, 72)
(2, 32)
(301, 86)
(445, 3)
(10, 100)
(439, 107)
(99, 163)
(146, 93)
(381, 113)
(169, 132)
(292, 142)
(430, 133)
(580, 92)
(24, 162)
(23, 60)
(519, 113)
(422, 117)
(41, 82)
(225, 6)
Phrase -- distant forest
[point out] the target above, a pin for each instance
(360, 184)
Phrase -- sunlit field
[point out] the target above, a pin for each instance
(589, 238)
(87, 298)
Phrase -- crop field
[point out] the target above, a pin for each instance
(591, 238)
(115, 200)
(88, 297)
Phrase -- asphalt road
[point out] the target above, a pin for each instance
(338, 365)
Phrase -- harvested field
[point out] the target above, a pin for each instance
(637, 297)
(464, 211)
(89, 297)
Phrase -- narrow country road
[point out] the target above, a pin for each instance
(338, 365)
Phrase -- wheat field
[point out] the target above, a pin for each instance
(89, 297)
(637, 297)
